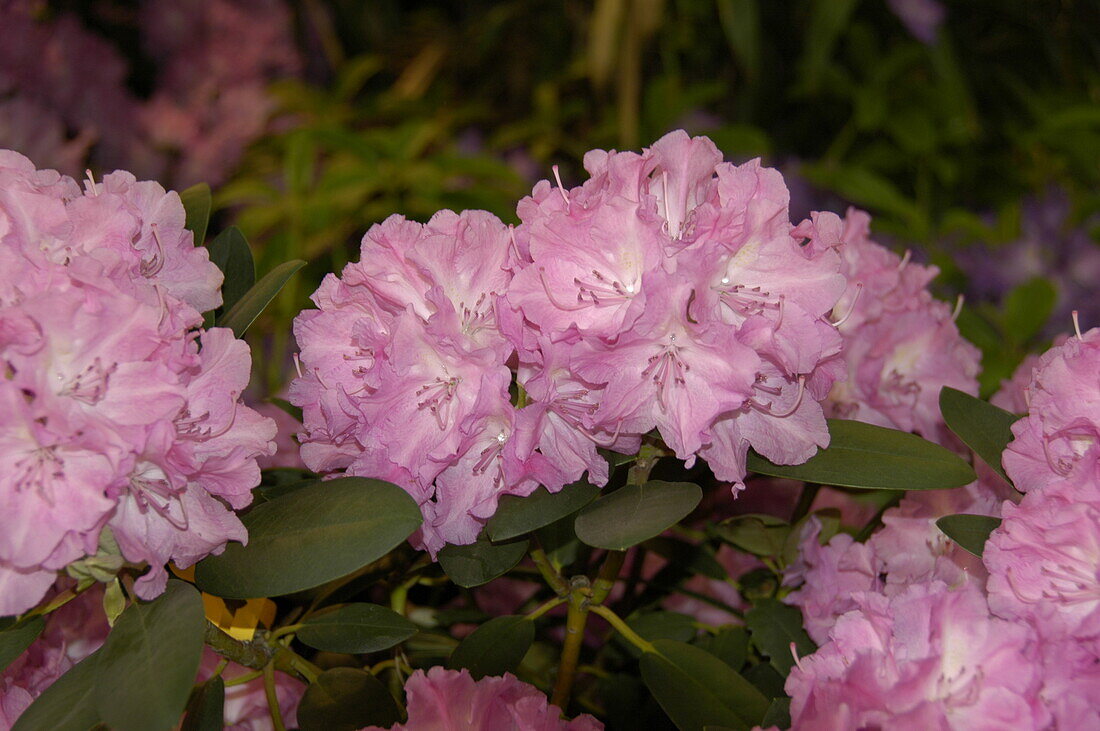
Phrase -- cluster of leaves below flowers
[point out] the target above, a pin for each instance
(123, 439)
(916, 630)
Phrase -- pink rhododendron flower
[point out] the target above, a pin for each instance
(442, 699)
(913, 549)
(1059, 439)
(119, 415)
(404, 373)
(1043, 561)
(929, 657)
(667, 270)
(901, 346)
(832, 577)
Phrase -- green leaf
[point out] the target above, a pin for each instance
(206, 709)
(696, 558)
(516, 516)
(17, 638)
(779, 714)
(229, 251)
(147, 666)
(356, 628)
(740, 21)
(197, 203)
(494, 648)
(766, 678)
(69, 704)
(773, 626)
(345, 699)
(982, 426)
(253, 302)
(635, 513)
(315, 534)
(730, 645)
(758, 534)
(697, 689)
(828, 19)
(969, 531)
(480, 562)
(659, 625)
(874, 457)
(1027, 308)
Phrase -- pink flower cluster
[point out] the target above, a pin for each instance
(667, 292)
(901, 345)
(119, 413)
(452, 699)
(914, 630)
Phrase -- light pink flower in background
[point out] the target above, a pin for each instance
(913, 549)
(1043, 562)
(442, 699)
(901, 346)
(929, 657)
(830, 578)
(1060, 437)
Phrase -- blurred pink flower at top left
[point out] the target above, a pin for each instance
(119, 414)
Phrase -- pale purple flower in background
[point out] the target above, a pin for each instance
(1053, 244)
(922, 18)
(442, 699)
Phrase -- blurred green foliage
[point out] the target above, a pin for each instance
(410, 107)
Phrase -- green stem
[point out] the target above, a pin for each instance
(574, 638)
(242, 679)
(622, 628)
(255, 654)
(272, 697)
(556, 581)
(609, 574)
(648, 455)
(546, 607)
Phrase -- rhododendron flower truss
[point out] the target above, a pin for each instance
(117, 413)
(670, 284)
